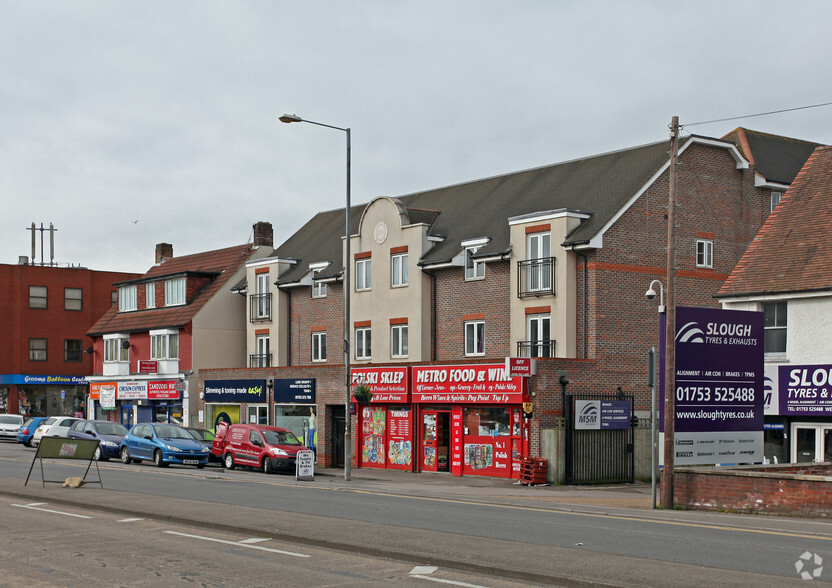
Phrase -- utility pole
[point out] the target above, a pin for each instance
(670, 326)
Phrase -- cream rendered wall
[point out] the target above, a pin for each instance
(219, 329)
(384, 226)
(563, 303)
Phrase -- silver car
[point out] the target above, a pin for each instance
(10, 425)
(53, 427)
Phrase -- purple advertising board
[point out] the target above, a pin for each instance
(803, 390)
(719, 385)
(603, 414)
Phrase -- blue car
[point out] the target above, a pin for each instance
(27, 430)
(108, 433)
(163, 443)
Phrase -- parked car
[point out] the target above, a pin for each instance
(205, 437)
(165, 444)
(53, 427)
(108, 433)
(10, 425)
(257, 446)
(27, 430)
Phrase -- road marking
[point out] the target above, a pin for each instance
(423, 570)
(66, 514)
(133, 520)
(255, 540)
(237, 544)
(441, 581)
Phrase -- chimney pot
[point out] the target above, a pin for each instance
(163, 251)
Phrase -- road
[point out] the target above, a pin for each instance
(503, 534)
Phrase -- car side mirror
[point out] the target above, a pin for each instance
(90, 433)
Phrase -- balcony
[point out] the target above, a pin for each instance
(536, 277)
(260, 307)
(537, 348)
(260, 360)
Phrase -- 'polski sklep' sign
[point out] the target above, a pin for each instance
(602, 414)
(719, 386)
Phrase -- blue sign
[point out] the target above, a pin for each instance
(35, 379)
(294, 391)
(235, 391)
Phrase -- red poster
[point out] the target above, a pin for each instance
(399, 441)
(487, 456)
(373, 432)
(162, 389)
(457, 456)
(388, 384)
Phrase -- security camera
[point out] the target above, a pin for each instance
(650, 294)
(563, 381)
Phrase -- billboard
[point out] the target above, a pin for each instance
(235, 391)
(719, 391)
(798, 390)
(466, 384)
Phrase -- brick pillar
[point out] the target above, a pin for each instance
(263, 234)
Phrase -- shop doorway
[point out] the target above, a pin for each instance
(258, 414)
(338, 426)
(128, 415)
(811, 443)
(436, 441)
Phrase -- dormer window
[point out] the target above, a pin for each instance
(175, 292)
(127, 298)
(474, 268)
(318, 285)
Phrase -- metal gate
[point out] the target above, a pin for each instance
(598, 456)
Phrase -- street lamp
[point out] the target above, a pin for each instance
(651, 295)
(292, 118)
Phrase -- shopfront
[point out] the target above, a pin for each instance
(470, 419)
(295, 409)
(234, 401)
(43, 395)
(138, 401)
(385, 424)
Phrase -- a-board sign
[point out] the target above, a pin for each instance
(305, 465)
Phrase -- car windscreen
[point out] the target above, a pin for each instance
(172, 432)
(111, 429)
(10, 419)
(280, 438)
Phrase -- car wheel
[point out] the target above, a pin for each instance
(200, 466)
(228, 461)
(97, 455)
(28, 443)
(158, 460)
(125, 455)
(268, 467)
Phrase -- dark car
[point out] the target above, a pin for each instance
(27, 430)
(108, 433)
(206, 437)
(165, 444)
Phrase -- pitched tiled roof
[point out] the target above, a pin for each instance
(793, 250)
(221, 263)
(776, 158)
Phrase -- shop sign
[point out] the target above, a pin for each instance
(294, 390)
(305, 465)
(148, 367)
(27, 379)
(132, 390)
(235, 391)
(719, 386)
(602, 414)
(466, 384)
(162, 389)
(388, 383)
(96, 388)
(521, 366)
(799, 390)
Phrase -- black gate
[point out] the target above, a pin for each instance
(597, 456)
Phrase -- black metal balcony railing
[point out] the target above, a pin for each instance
(260, 360)
(260, 306)
(536, 348)
(536, 277)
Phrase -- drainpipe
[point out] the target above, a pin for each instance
(586, 282)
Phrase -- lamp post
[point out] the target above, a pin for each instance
(651, 378)
(292, 118)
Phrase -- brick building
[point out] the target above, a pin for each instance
(550, 263)
(45, 313)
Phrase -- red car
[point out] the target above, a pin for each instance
(256, 446)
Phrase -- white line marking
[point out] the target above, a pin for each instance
(236, 543)
(133, 520)
(423, 570)
(255, 540)
(429, 579)
(66, 514)
(37, 503)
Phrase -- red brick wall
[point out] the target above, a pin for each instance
(794, 490)
(307, 313)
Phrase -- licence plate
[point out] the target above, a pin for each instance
(190, 461)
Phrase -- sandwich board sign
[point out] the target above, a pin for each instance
(305, 465)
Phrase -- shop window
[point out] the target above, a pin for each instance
(776, 315)
(487, 422)
(37, 296)
(73, 299)
(37, 349)
(301, 419)
(475, 338)
(72, 350)
(258, 414)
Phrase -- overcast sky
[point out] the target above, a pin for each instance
(127, 124)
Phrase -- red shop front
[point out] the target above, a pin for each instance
(385, 425)
(470, 419)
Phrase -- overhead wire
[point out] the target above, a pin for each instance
(705, 122)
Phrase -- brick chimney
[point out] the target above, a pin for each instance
(163, 251)
(263, 234)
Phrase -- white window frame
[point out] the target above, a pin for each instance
(363, 274)
(363, 343)
(398, 341)
(318, 286)
(127, 299)
(150, 295)
(319, 346)
(539, 276)
(115, 350)
(398, 270)
(776, 196)
(476, 329)
(541, 323)
(261, 345)
(705, 253)
(175, 292)
(164, 344)
(781, 324)
(474, 269)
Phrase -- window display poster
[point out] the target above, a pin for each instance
(399, 443)
(487, 456)
(373, 429)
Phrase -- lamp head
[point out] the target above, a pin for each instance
(290, 118)
(650, 294)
